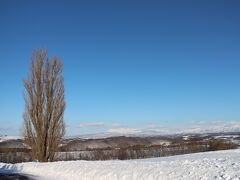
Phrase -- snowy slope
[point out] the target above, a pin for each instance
(210, 165)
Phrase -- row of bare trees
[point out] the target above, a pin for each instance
(15, 155)
(143, 151)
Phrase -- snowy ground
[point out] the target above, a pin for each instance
(210, 165)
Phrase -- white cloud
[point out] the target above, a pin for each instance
(91, 124)
(122, 130)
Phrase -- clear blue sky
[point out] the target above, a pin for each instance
(127, 64)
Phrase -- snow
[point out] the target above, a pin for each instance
(208, 165)
(6, 138)
(226, 136)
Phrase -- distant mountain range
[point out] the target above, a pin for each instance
(218, 128)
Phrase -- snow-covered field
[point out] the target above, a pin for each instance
(209, 165)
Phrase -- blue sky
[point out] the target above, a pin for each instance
(127, 64)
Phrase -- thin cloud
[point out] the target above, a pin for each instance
(122, 130)
(6, 128)
(116, 125)
(91, 124)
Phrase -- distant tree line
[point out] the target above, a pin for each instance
(132, 152)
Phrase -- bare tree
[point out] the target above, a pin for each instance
(44, 106)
